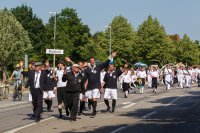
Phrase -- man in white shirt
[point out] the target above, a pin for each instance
(188, 77)
(168, 77)
(61, 88)
(180, 75)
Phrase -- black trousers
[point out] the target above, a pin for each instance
(154, 82)
(37, 95)
(72, 100)
(125, 86)
(61, 94)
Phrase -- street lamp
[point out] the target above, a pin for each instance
(54, 38)
(110, 38)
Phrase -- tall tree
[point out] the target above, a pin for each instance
(95, 47)
(123, 35)
(153, 43)
(187, 51)
(71, 33)
(34, 26)
(14, 40)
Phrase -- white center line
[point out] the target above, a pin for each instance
(17, 129)
(176, 99)
(118, 129)
(128, 106)
(149, 115)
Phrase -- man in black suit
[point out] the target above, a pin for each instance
(36, 82)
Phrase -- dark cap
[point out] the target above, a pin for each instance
(61, 62)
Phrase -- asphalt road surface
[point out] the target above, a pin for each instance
(168, 111)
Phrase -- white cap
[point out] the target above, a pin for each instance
(75, 65)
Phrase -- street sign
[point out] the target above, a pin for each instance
(54, 51)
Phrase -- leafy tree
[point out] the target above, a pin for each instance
(71, 33)
(95, 47)
(14, 40)
(153, 43)
(188, 51)
(123, 36)
(34, 26)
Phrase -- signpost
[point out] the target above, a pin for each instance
(54, 52)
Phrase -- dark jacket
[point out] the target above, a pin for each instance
(51, 82)
(74, 83)
(31, 80)
(93, 75)
(111, 80)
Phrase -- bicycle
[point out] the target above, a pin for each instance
(17, 92)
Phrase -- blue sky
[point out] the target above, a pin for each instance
(177, 16)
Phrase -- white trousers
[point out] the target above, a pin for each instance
(188, 80)
(180, 81)
(168, 81)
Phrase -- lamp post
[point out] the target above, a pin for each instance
(110, 39)
(54, 38)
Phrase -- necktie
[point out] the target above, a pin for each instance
(36, 79)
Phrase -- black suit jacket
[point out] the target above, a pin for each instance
(31, 80)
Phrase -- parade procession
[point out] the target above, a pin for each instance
(99, 66)
(86, 81)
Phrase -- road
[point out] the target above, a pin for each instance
(174, 111)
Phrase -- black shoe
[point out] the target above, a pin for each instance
(112, 111)
(93, 114)
(80, 113)
(72, 119)
(108, 109)
(37, 119)
(60, 116)
(49, 110)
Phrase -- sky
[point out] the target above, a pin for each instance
(177, 16)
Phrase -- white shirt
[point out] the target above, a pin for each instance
(59, 75)
(180, 72)
(126, 78)
(133, 78)
(37, 79)
(102, 75)
(186, 72)
(168, 71)
(155, 74)
(142, 74)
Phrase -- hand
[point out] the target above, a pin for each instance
(47, 63)
(68, 59)
(114, 54)
(54, 91)
(21, 63)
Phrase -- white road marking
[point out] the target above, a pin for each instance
(118, 129)
(17, 129)
(176, 99)
(193, 88)
(128, 106)
(149, 115)
(124, 103)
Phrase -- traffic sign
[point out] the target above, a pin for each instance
(54, 51)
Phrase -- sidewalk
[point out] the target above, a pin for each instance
(5, 103)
